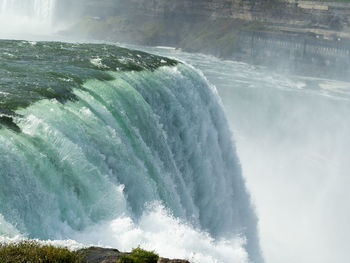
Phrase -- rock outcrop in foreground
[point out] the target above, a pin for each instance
(105, 255)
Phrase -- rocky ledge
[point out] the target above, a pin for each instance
(105, 255)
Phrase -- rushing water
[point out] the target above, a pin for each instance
(292, 136)
(115, 147)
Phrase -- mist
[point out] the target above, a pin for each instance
(294, 152)
(292, 139)
(37, 19)
(25, 17)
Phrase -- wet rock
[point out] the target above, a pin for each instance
(99, 255)
(107, 255)
(166, 260)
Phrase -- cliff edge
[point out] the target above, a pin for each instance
(302, 37)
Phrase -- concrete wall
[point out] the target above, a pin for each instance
(295, 53)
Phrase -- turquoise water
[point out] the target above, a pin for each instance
(109, 146)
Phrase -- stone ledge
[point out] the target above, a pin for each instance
(108, 255)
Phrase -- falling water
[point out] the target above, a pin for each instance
(110, 146)
(18, 17)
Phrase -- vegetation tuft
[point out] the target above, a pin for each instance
(34, 252)
(139, 255)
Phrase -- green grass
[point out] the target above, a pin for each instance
(139, 255)
(34, 252)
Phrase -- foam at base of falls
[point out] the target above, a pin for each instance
(170, 237)
(7, 231)
(156, 230)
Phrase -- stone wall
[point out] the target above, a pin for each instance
(296, 53)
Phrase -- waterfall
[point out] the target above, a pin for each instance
(18, 17)
(34, 9)
(119, 148)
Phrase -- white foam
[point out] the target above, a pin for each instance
(97, 62)
(158, 230)
(7, 231)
